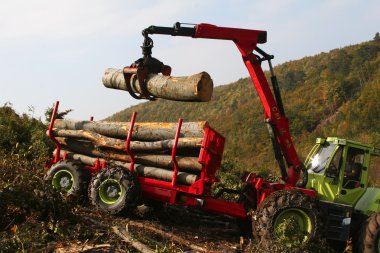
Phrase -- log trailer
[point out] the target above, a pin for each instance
(329, 193)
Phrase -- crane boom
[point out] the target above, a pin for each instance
(246, 41)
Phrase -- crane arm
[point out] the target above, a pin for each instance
(246, 41)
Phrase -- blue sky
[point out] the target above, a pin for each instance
(58, 50)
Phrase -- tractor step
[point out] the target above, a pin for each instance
(336, 219)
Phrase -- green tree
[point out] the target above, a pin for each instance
(60, 115)
(377, 37)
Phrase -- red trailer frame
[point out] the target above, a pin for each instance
(198, 194)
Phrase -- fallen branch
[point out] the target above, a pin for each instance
(134, 243)
(168, 235)
(153, 229)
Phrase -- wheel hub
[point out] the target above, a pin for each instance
(63, 180)
(300, 219)
(110, 191)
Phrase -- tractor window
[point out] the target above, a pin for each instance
(318, 162)
(353, 170)
(335, 164)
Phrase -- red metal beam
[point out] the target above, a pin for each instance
(57, 155)
(174, 152)
(246, 41)
(128, 142)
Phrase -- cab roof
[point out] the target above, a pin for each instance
(373, 150)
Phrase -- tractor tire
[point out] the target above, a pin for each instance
(69, 177)
(279, 207)
(369, 238)
(114, 190)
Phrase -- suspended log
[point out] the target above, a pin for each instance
(87, 148)
(145, 131)
(112, 143)
(195, 88)
(142, 170)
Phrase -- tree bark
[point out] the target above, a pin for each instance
(108, 142)
(145, 131)
(87, 148)
(195, 88)
(142, 170)
(165, 175)
(88, 160)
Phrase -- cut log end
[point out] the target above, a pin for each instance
(205, 87)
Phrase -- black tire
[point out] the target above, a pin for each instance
(369, 238)
(114, 190)
(69, 177)
(280, 206)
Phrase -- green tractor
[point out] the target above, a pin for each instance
(342, 174)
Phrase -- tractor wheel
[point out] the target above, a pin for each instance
(369, 239)
(281, 207)
(114, 190)
(69, 177)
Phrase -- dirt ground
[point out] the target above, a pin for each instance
(214, 233)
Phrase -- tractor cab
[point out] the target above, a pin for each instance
(339, 169)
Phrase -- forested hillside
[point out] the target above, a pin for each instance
(329, 94)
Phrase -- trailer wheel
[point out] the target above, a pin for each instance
(69, 177)
(114, 190)
(280, 207)
(369, 239)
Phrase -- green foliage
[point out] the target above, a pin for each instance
(31, 213)
(329, 94)
(377, 36)
(291, 240)
(25, 200)
(22, 135)
(60, 115)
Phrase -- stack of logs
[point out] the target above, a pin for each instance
(151, 143)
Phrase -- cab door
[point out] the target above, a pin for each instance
(353, 176)
(330, 182)
(323, 169)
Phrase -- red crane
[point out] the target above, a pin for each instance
(246, 41)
